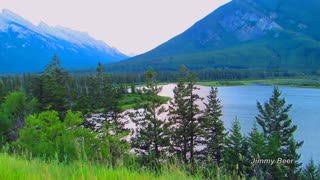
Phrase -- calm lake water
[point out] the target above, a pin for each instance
(241, 101)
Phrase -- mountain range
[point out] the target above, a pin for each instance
(25, 47)
(242, 34)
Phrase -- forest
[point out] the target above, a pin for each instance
(45, 118)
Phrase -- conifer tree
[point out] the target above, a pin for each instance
(184, 114)
(291, 152)
(93, 93)
(71, 93)
(213, 129)
(113, 138)
(257, 150)
(112, 110)
(234, 153)
(133, 88)
(278, 130)
(152, 133)
(107, 97)
(53, 87)
(2, 91)
(103, 86)
(83, 102)
(311, 171)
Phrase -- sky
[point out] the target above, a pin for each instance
(131, 26)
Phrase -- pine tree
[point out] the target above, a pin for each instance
(71, 93)
(257, 150)
(2, 91)
(93, 93)
(311, 171)
(184, 114)
(133, 88)
(107, 96)
(234, 153)
(112, 110)
(212, 129)
(152, 133)
(178, 115)
(291, 152)
(113, 138)
(103, 86)
(53, 87)
(99, 88)
(278, 130)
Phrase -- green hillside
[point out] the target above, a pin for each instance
(242, 34)
(298, 54)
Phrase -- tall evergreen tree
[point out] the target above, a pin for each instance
(311, 171)
(107, 96)
(213, 129)
(2, 91)
(71, 92)
(277, 127)
(53, 93)
(112, 110)
(257, 150)
(114, 127)
(291, 152)
(100, 89)
(113, 138)
(152, 133)
(184, 114)
(235, 150)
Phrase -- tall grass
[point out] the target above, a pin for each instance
(15, 167)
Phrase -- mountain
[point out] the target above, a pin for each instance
(25, 47)
(242, 34)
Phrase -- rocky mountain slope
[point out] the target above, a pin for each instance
(25, 47)
(242, 34)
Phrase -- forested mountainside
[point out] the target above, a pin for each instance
(242, 34)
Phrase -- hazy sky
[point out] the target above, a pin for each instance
(132, 26)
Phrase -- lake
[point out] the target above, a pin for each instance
(241, 101)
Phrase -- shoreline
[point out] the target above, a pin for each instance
(293, 82)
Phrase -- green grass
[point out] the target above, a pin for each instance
(13, 168)
(222, 83)
(294, 82)
(132, 101)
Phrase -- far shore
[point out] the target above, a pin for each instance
(293, 82)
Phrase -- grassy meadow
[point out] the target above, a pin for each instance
(14, 167)
(132, 101)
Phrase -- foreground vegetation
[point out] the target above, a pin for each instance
(48, 117)
(15, 167)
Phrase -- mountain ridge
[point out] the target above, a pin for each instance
(25, 47)
(229, 36)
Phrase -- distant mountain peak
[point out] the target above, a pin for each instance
(20, 40)
(10, 16)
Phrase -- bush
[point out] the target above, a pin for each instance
(47, 136)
